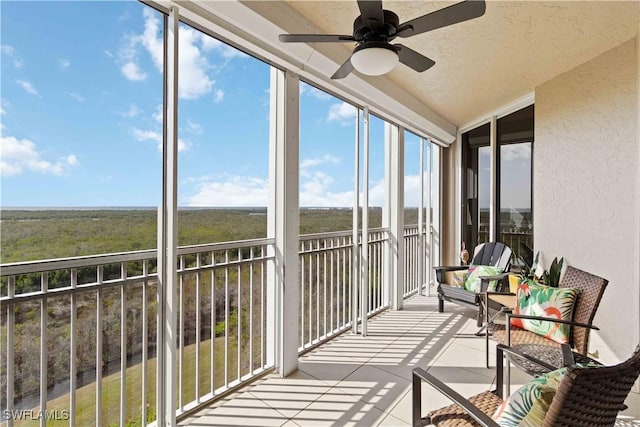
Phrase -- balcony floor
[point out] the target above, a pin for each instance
(366, 381)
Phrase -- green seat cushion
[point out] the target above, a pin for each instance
(473, 281)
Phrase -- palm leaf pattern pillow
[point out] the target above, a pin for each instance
(473, 282)
(528, 406)
(540, 300)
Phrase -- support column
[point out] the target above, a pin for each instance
(364, 250)
(166, 387)
(494, 210)
(283, 302)
(436, 200)
(394, 155)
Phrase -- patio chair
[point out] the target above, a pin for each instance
(590, 290)
(590, 396)
(493, 254)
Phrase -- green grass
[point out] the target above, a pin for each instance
(85, 396)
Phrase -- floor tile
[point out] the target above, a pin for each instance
(356, 380)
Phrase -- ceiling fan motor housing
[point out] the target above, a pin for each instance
(370, 31)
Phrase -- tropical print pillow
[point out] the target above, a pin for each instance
(528, 405)
(456, 278)
(473, 281)
(540, 300)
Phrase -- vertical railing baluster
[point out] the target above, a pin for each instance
(197, 372)
(310, 290)
(44, 314)
(213, 325)
(99, 279)
(227, 306)
(302, 294)
(324, 288)
(123, 346)
(332, 304)
(239, 316)
(262, 308)
(318, 289)
(251, 257)
(11, 324)
(345, 285)
(181, 332)
(72, 353)
(145, 340)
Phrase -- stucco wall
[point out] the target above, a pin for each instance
(587, 187)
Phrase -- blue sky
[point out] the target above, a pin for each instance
(81, 94)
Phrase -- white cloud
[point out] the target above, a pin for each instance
(132, 72)
(149, 135)
(108, 53)
(2, 111)
(193, 127)
(236, 191)
(512, 152)
(27, 86)
(227, 52)
(218, 96)
(75, 96)
(10, 51)
(63, 63)
(18, 155)
(308, 163)
(308, 90)
(133, 111)
(157, 116)
(194, 68)
(343, 113)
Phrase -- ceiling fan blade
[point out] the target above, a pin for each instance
(315, 38)
(413, 59)
(344, 70)
(371, 12)
(453, 14)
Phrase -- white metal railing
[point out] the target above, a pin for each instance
(326, 283)
(80, 333)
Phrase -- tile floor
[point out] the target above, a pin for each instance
(366, 381)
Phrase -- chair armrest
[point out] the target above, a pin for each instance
(495, 276)
(552, 319)
(502, 348)
(451, 267)
(440, 270)
(420, 374)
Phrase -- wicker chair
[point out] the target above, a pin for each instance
(586, 396)
(492, 253)
(590, 290)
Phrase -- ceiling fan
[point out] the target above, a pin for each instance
(376, 27)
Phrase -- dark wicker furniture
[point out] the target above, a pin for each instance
(590, 290)
(586, 396)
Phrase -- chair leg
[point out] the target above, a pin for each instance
(480, 317)
(416, 401)
(440, 304)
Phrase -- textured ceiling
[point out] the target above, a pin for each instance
(485, 63)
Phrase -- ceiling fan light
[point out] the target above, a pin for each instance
(375, 60)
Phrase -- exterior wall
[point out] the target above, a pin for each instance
(587, 185)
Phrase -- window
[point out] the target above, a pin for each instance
(512, 208)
